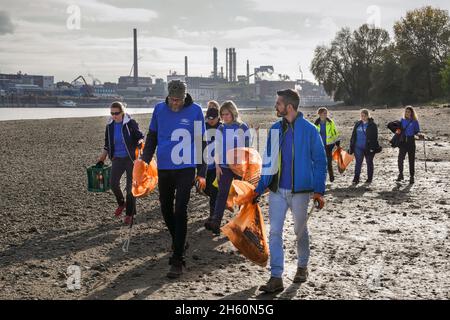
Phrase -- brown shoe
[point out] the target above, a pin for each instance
(176, 268)
(273, 285)
(301, 275)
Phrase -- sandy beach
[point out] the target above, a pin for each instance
(383, 241)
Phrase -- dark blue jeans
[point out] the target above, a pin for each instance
(360, 154)
(119, 167)
(174, 195)
(222, 195)
(210, 190)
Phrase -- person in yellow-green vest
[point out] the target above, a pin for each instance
(330, 136)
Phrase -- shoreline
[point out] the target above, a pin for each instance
(263, 110)
(52, 222)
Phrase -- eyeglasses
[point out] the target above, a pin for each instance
(175, 99)
(116, 113)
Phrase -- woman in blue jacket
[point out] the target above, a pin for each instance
(122, 136)
(231, 128)
(364, 144)
(212, 122)
(409, 127)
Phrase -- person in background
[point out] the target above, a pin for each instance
(122, 137)
(178, 114)
(410, 127)
(329, 135)
(231, 128)
(294, 170)
(364, 144)
(212, 123)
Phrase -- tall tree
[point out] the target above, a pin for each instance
(445, 78)
(387, 78)
(345, 66)
(423, 42)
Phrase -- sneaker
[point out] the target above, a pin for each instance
(119, 210)
(214, 226)
(399, 178)
(355, 182)
(331, 178)
(176, 268)
(368, 181)
(273, 285)
(128, 220)
(208, 224)
(301, 275)
(411, 180)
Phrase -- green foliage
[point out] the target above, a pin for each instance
(364, 66)
(445, 78)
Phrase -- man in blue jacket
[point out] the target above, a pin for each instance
(294, 167)
(177, 128)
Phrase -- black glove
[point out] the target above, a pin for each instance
(99, 164)
(338, 144)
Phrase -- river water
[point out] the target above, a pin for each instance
(51, 113)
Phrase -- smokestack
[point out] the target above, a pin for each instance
(221, 72)
(227, 63)
(248, 71)
(215, 63)
(234, 65)
(186, 66)
(135, 60)
(230, 64)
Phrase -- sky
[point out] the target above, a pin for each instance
(93, 38)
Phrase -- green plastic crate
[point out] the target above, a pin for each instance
(99, 179)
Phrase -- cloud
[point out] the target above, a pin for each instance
(241, 19)
(102, 12)
(6, 25)
(283, 33)
(251, 32)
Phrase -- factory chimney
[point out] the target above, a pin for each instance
(234, 65)
(215, 63)
(135, 60)
(230, 64)
(227, 64)
(248, 72)
(186, 66)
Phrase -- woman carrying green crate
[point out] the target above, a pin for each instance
(122, 137)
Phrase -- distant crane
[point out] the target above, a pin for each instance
(301, 71)
(132, 66)
(89, 90)
(95, 81)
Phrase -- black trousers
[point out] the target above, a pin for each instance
(329, 152)
(210, 190)
(119, 166)
(409, 147)
(174, 194)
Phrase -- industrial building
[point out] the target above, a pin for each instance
(221, 85)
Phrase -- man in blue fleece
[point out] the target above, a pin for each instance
(176, 130)
(294, 168)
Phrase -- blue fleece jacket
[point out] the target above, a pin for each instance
(309, 159)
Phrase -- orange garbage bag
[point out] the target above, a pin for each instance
(342, 158)
(240, 193)
(145, 177)
(246, 163)
(247, 232)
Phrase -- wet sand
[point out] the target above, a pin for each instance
(383, 241)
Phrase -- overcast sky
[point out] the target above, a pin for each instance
(42, 37)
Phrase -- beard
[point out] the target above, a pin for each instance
(282, 113)
(175, 108)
